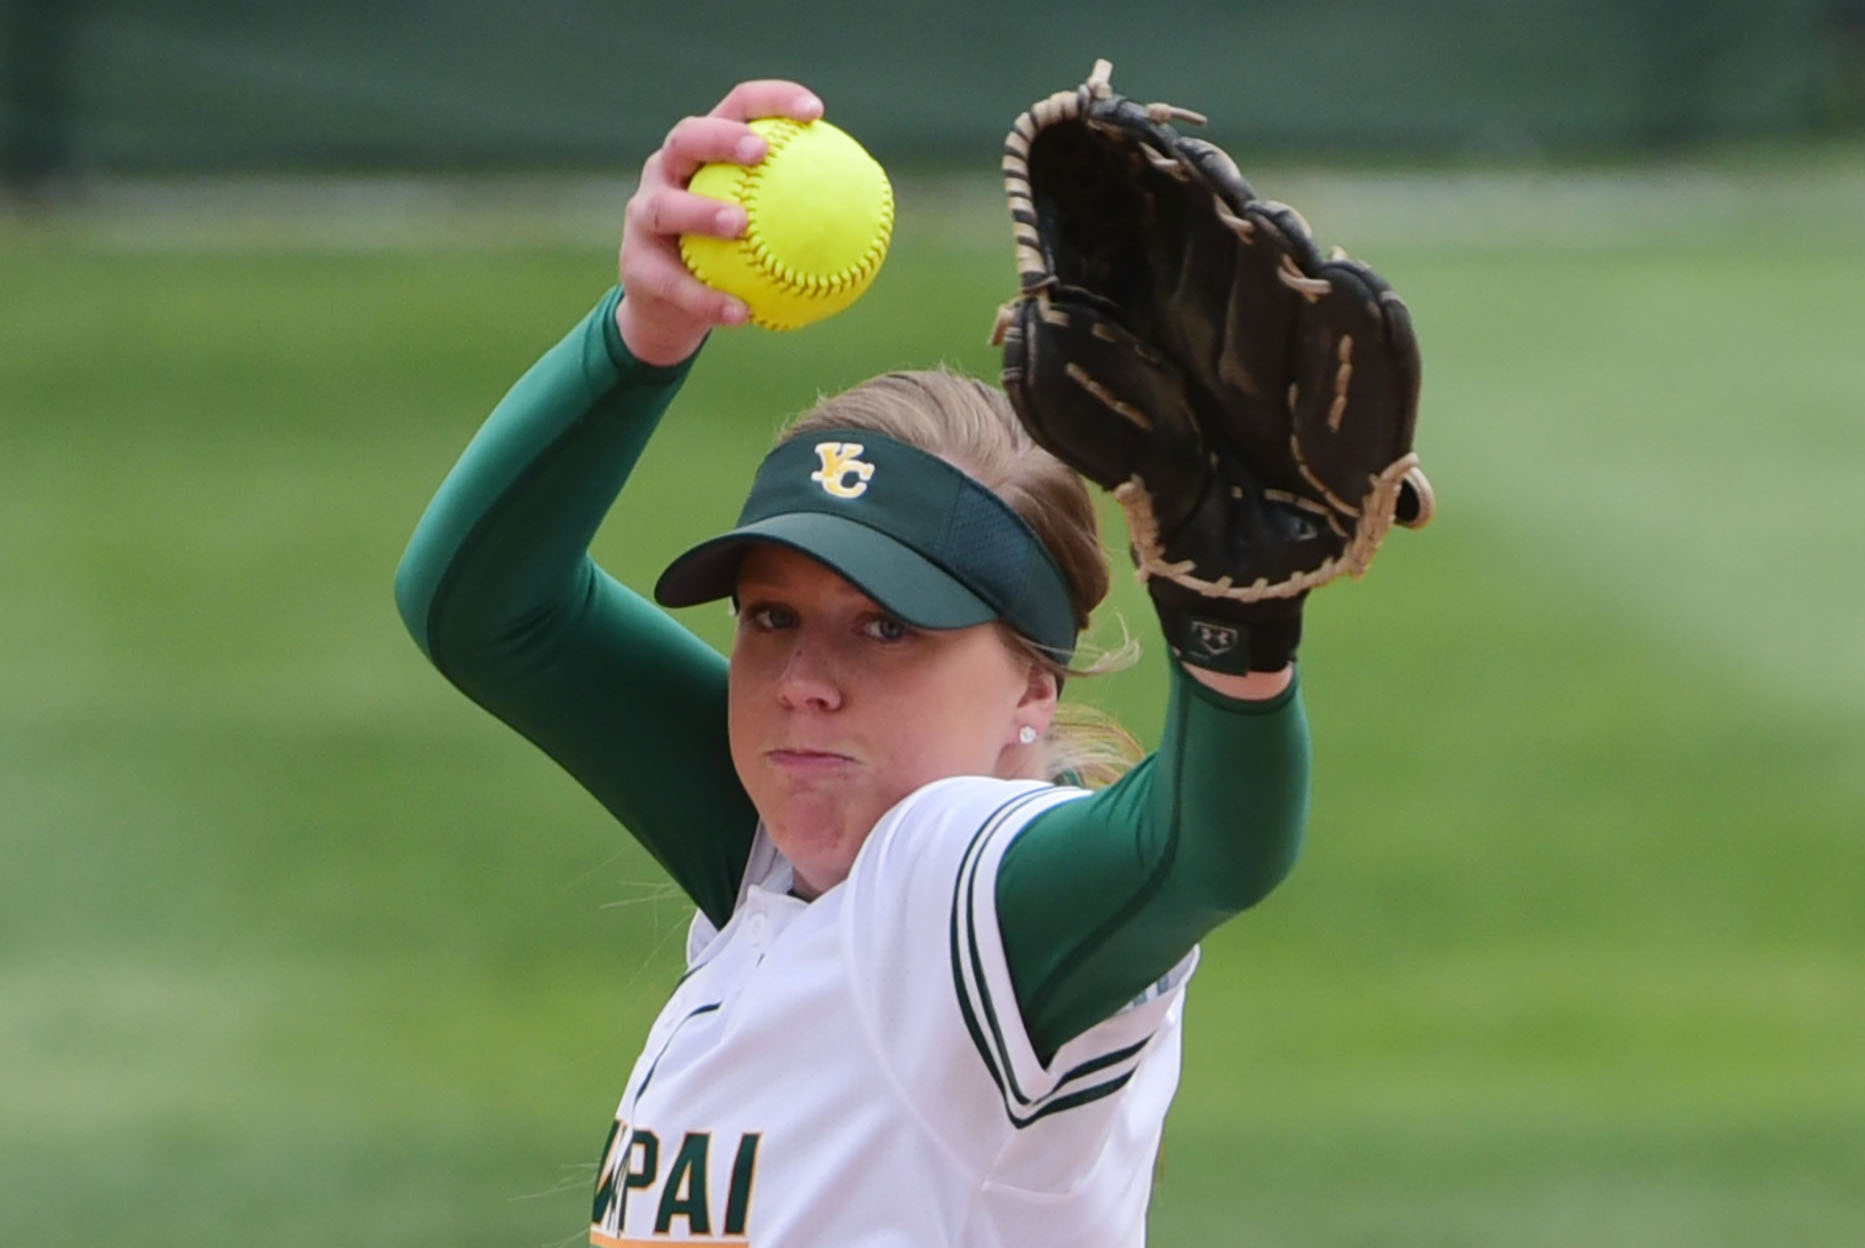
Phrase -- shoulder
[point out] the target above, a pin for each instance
(934, 836)
(943, 823)
(935, 846)
(971, 802)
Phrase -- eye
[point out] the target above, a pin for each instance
(766, 617)
(886, 628)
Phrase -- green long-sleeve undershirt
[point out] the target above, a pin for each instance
(1096, 899)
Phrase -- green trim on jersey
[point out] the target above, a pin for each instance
(980, 1010)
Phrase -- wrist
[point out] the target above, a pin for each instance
(1250, 687)
(649, 346)
(1226, 636)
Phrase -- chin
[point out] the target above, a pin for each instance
(819, 840)
(808, 834)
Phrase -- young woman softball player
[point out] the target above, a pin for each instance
(941, 946)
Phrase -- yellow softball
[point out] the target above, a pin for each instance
(820, 213)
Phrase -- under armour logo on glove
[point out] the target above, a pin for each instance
(1214, 638)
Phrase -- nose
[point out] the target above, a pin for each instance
(809, 679)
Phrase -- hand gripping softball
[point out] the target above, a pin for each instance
(819, 213)
(1182, 342)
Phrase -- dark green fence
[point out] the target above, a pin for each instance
(170, 86)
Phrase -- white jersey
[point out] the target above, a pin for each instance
(853, 1072)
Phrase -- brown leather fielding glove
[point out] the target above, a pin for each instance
(1183, 343)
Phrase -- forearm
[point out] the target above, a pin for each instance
(1102, 896)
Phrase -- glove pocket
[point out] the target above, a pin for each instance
(1101, 400)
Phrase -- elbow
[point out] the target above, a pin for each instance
(1253, 876)
(1266, 841)
(414, 597)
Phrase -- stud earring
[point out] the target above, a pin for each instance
(1027, 735)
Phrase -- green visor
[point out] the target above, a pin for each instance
(905, 527)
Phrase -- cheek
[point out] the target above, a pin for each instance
(742, 707)
(959, 725)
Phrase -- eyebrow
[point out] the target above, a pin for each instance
(753, 587)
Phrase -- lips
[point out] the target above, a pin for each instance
(809, 762)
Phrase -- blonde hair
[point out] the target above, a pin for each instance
(971, 425)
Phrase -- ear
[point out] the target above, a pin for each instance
(1041, 691)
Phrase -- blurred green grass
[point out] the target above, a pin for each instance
(296, 943)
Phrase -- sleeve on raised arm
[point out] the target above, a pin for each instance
(498, 589)
(1100, 898)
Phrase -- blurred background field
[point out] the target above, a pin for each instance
(295, 944)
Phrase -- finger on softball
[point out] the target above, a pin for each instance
(667, 211)
(769, 97)
(659, 274)
(696, 141)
